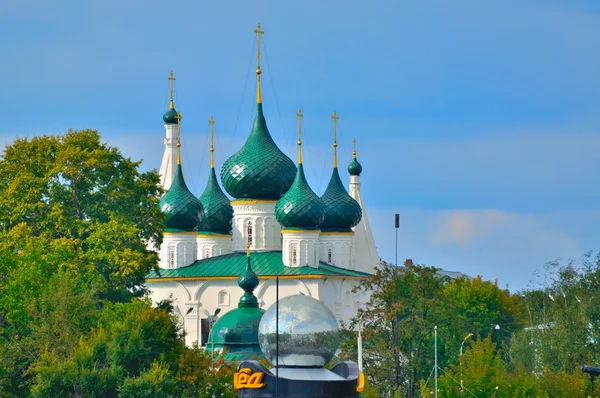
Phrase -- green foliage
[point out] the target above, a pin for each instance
(76, 218)
(399, 320)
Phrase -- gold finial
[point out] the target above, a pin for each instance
(335, 118)
(178, 117)
(212, 122)
(354, 152)
(258, 71)
(171, 80)
(299, 114)
(248, 250)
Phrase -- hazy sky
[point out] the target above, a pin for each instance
(479, 123)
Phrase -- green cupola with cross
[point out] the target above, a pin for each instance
(259, 170)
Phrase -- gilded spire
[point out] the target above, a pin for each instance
(354, 152)
(258, 71)
(171, 80)
(178, 117)
(335, 118)
(299, 114)
(212, 122)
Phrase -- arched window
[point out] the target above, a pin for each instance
(249, 232)
(206, 252)
(171, 257)
(223, 298)
(329, 256)
(294, 256)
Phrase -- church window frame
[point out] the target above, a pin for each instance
(294, 255)
(329, 255)
(206, 252)
(223, 298)
(171, 256)
(249, 233)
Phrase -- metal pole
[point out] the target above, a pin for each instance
(435, 360)
(359, 343)
(397, 225)
(212, 335)
(277, 336)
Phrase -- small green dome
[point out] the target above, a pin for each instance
(184, 211)
(170, 116)
(300, 207)
(342, 211)
(218, 212)
(259, 170)
(237, 330)
(354, 168)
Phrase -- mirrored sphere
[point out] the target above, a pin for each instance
(308, 332)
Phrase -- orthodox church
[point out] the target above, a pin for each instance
(319, 246)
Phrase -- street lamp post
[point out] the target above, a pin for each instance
(463, 342)
(211, 321)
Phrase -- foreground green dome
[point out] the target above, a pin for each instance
(218, 212)
(237, 330)
(170, 116)
(259, 170)
(354, 168)
(184, 211)
(342, 211)
(300, 207)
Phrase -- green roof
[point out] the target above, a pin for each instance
(184, 211)
(259, 170)
(300, 207)
(342, 211)
(218, 212)
(170, 116)
(354, 168)
(264, 264)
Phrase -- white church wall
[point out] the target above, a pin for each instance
(177, 250)
(211, 245)
(168, 165)
(254, 223)
(300, 248)
(337, 248)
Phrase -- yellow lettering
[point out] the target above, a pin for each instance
(246, 379)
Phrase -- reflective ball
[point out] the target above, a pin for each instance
(308, 332)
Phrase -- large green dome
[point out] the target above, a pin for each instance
(170, 116)
(259, 170)
(237, 330)
(342, 211)
(184, 211)
(218, 212)
(300, 207)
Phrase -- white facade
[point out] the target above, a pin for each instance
(200, 295)
(178, 249)
(367, 258)
(168, 165)
(254, 223)
(337, 248)
(300, 248)
(211, 245)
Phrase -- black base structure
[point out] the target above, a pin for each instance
(254, 380)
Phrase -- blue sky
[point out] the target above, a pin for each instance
(479, 123)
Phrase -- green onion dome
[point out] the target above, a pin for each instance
(300, 207)
(170, 116)
(259, 170)
(237, 330)
(354, 168)
(184, 211)
(218, 212)
(342, 212)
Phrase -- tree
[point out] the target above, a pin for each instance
(397, 326)
(399, 320)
